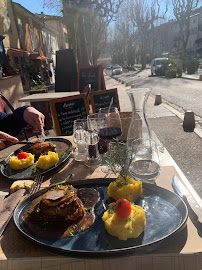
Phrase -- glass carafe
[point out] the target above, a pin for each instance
(139, 128)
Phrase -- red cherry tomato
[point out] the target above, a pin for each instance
(22, 155)
(122, 208)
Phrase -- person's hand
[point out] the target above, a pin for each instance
(6, 137)
(34, 118)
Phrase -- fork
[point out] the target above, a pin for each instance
(36, 184)
(34, 188)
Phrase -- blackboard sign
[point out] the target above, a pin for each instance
(66, 71)
(90, 75)
(102, 99)
(66, 110)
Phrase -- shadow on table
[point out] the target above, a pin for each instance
(175, 243)
(14, 245)
(78, 170)
(195, 221)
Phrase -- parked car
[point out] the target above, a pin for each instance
(116, 70)
(109, 67)
(156, 66)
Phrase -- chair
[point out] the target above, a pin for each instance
(3, 109)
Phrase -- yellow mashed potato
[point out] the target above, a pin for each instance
(45, 162)
(129, 190)
(19, 164)
(130, 227)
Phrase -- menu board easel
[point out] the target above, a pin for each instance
(66, 110)
(91, 75)
(102, 99)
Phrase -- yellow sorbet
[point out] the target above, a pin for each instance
(129, 190)
(20, 164)
(45, 162)
(125, 228)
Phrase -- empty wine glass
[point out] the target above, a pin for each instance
(145, 163)
(79, 136)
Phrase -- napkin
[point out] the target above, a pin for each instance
(7, 207)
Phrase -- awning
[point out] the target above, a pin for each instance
(30, 54)
(44, 59)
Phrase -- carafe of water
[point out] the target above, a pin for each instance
(139, 128)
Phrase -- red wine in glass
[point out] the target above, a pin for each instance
(102, 146)
(110, 133)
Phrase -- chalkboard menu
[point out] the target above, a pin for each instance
(66, 110)
(102, 99)
(90, 75)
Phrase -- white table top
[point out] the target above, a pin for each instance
(47, 96)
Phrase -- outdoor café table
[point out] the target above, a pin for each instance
(41, 103)
(184, 252)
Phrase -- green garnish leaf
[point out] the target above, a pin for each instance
(111, 211)
(88, 209)
(71, 234)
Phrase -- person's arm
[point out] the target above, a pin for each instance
(14, 122)
(10, 124)
(6, 137)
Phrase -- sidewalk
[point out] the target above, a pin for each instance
(166, 122)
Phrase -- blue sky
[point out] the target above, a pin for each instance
(35, 6)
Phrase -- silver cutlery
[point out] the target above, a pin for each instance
(186, 195)
(34, 188)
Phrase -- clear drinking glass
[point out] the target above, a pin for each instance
(112, 130)
(145, 163)
(95, 123)
(80, 129)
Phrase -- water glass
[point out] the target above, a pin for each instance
(145, 162)
(95, 124)
(79, 136)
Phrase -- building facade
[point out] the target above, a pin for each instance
(31, 43)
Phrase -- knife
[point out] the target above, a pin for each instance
(185, 194)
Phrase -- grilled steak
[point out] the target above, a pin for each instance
(59, 203)
(40, 148)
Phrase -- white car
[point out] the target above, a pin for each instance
(156, 66)
(116, 70)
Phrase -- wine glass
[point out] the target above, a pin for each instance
(145, 163)
(96, 123)
(113, 127)
(110, 131)
(79, 136)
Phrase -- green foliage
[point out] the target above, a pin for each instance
(38, 85)
(171, 72)
(170, 67)
(120, 158)
(191, 65)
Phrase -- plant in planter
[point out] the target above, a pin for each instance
(119, 159)
(38, 85)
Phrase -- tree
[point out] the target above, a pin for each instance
(77, 14)
(182, 10)
(144, 14)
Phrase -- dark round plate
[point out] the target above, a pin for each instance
(166, 214)
(62, 146)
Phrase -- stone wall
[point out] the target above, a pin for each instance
(12, 89)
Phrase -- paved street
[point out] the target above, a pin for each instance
(183, 93)
(184, 147)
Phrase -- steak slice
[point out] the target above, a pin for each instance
(39, 149)
(56, 204)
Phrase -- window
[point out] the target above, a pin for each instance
(20, 26)
(34, 40)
